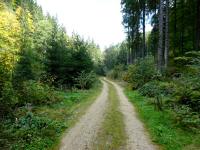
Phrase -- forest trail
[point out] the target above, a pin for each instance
(81, 136)
(138, 138)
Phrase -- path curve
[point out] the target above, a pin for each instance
(138, 138)
(81, 136)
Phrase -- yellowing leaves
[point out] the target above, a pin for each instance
(25, 17)
(10, 34)
(2, 6)
(30, 22)
(10, 31)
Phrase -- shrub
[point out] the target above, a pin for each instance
(182, 61)
(194, 54)
(191, 57)
(186, 117)
(8, 99)
(167, 88)
(185, 95)
(117, 72)
(38, 93)
(142, 72)
(85, 80)
(150, 89)
(30, 129)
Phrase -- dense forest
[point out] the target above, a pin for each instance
(45, 73)
(37, 59)
(36, 50)
(162, 65)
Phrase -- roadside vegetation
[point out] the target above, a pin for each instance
(41, 127)
(162, 125)
(112, 134)
(45, 76)
(161, 68)
(167, 103)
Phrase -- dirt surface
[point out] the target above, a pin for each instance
(81, 136)
(138, 139)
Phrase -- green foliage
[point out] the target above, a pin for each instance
(156, 88)
(182, 61)
(38, 93)
(115, 56)
(150, 89)
(29, 67)
(85, 80)
(142, 72)
(188, 97)
(8, 99)
(35, 49)
(187, 117)
(117, 72)
(161, 125)
(193, 54)
(36, 55)
(110, 59)
(34, 132)
(43, 127)
(65, 60)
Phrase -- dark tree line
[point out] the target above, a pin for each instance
(176, 28)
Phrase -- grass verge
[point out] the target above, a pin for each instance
(112, 133)
(161, 126)
(43, 126)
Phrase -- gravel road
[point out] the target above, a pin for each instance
(138, 138)
(81, 136)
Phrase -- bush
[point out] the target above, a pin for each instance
(155, 88)
(167, 88)
(150, 89)
(182, 61)
(188, 97)
(188, 92)
(30, 130)
(8, 99)
(38, 93)
(85, 80)
(193, 54)
(142, 72)
(117, 72)
(186, 117)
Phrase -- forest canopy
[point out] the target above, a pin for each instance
(35, 49)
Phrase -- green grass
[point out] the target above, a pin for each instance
(162, 127)
(112, 133)
(43, 127)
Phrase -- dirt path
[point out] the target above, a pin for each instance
(138, 138)
(81, 136)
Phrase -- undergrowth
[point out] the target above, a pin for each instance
(162, 126)
(41, 127)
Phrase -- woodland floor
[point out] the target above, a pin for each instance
(91, 127)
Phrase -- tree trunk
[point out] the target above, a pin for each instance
(129, 47)
(144, 38)
(175, 28)
(127, 55)
(132, 46)
(166, 55)
(160, 43)
(182, 28)
(198, 26)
